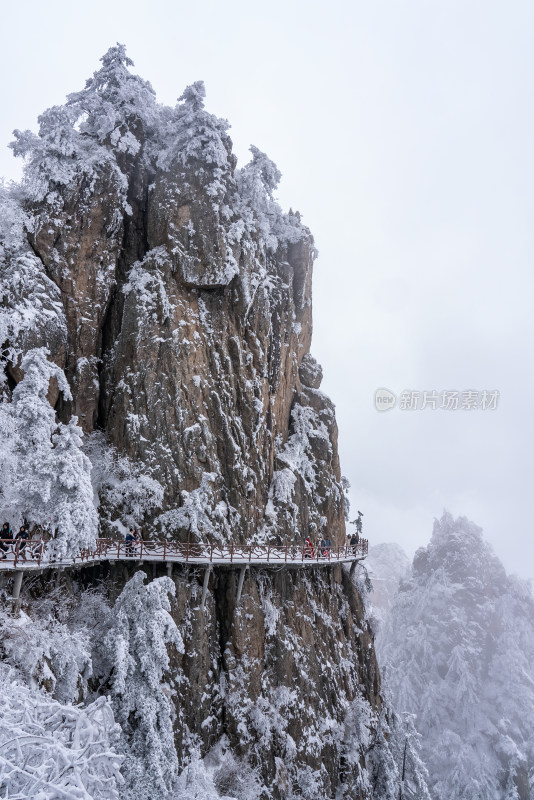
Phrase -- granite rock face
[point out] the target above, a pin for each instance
(186, 313)
(282, 676)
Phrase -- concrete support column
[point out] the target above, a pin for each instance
(207, 574)
(240, 584)
(169, 569)
(17, 585)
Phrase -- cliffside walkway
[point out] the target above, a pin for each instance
(34, 554)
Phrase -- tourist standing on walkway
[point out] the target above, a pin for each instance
(21, 539)
(326, 546)
(355, 538)
(6, 538)
(129, 542)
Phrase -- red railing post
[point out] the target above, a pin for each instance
(164, 548)
(231, 553)
(16, 553)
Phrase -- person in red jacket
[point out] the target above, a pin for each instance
(308, 549)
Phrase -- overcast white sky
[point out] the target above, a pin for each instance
(404, 132)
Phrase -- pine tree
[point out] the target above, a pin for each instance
(141, 627)
(115, 106)
(72, 492)
(35, 423)
(45, 473)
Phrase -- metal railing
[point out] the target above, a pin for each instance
(38, 552)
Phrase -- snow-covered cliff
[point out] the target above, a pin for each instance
(157, 299)
(176, 296)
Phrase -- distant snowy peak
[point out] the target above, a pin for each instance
(458, 648)
(387, 561)
(457, 547)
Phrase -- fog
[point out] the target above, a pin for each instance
(404, 134)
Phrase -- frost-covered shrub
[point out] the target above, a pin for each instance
(51, 642)
(233, 777)
(124, 493)
(32, 311)
(196, 782)
(50, 751)
(201, 515)
(48, 654)
(257, 181)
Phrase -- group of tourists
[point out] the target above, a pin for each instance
(325, 545)
(132, 540)
(21, 542)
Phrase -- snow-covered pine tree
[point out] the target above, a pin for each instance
(71, 494)
(115, 105)
(34, 425)
(200, 138)
(405, 744)
(48, 475)
(141, 628)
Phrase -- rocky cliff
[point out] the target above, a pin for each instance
(177, 299)
(175, 295)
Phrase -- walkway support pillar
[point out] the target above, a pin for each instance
(207, 574)
(240, 584)
(169, 569)
(17, 585)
